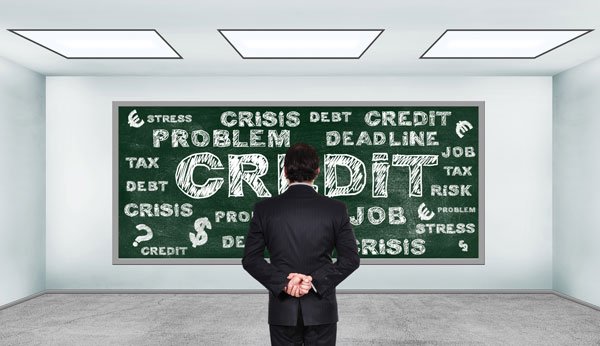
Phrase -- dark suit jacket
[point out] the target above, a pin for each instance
(300, 228)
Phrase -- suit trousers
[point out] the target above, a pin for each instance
(317, 335)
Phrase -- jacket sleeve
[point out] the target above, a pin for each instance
(253, 261)
(330, 275)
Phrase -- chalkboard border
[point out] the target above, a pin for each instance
(227, 261)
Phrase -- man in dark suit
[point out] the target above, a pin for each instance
(300, 228)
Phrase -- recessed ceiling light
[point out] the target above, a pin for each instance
(101, 44)
(499, 44)
(300, 44)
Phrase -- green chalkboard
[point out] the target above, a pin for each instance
(186, 176)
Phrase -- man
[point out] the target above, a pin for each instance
(300, 228)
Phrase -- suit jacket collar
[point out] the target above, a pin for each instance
(300, 190)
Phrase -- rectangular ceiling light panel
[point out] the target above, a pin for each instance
(301, 44)
(499, 44)
(102, 44)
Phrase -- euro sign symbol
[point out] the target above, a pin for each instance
(201, 237)
(133, 120)
(464, 246)
(424, 213)
(462, 127)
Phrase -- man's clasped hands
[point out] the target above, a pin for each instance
(299, 284)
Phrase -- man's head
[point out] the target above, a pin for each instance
(301, 163)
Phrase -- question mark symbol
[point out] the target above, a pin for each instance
(141, 238)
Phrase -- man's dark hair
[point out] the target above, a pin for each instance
(301, 162)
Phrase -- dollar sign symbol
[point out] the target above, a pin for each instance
(201, 237)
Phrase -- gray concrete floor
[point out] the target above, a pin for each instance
(241, 319)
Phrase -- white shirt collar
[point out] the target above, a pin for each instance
(299, 182)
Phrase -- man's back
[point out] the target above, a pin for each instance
(300, 228)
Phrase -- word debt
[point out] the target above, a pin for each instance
(250, 168)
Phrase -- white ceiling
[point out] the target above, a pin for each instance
(190, 26)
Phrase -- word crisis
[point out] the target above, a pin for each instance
(249, 168)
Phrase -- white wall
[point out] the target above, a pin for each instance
(518, 201)
(22, 182)
(576, 182)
